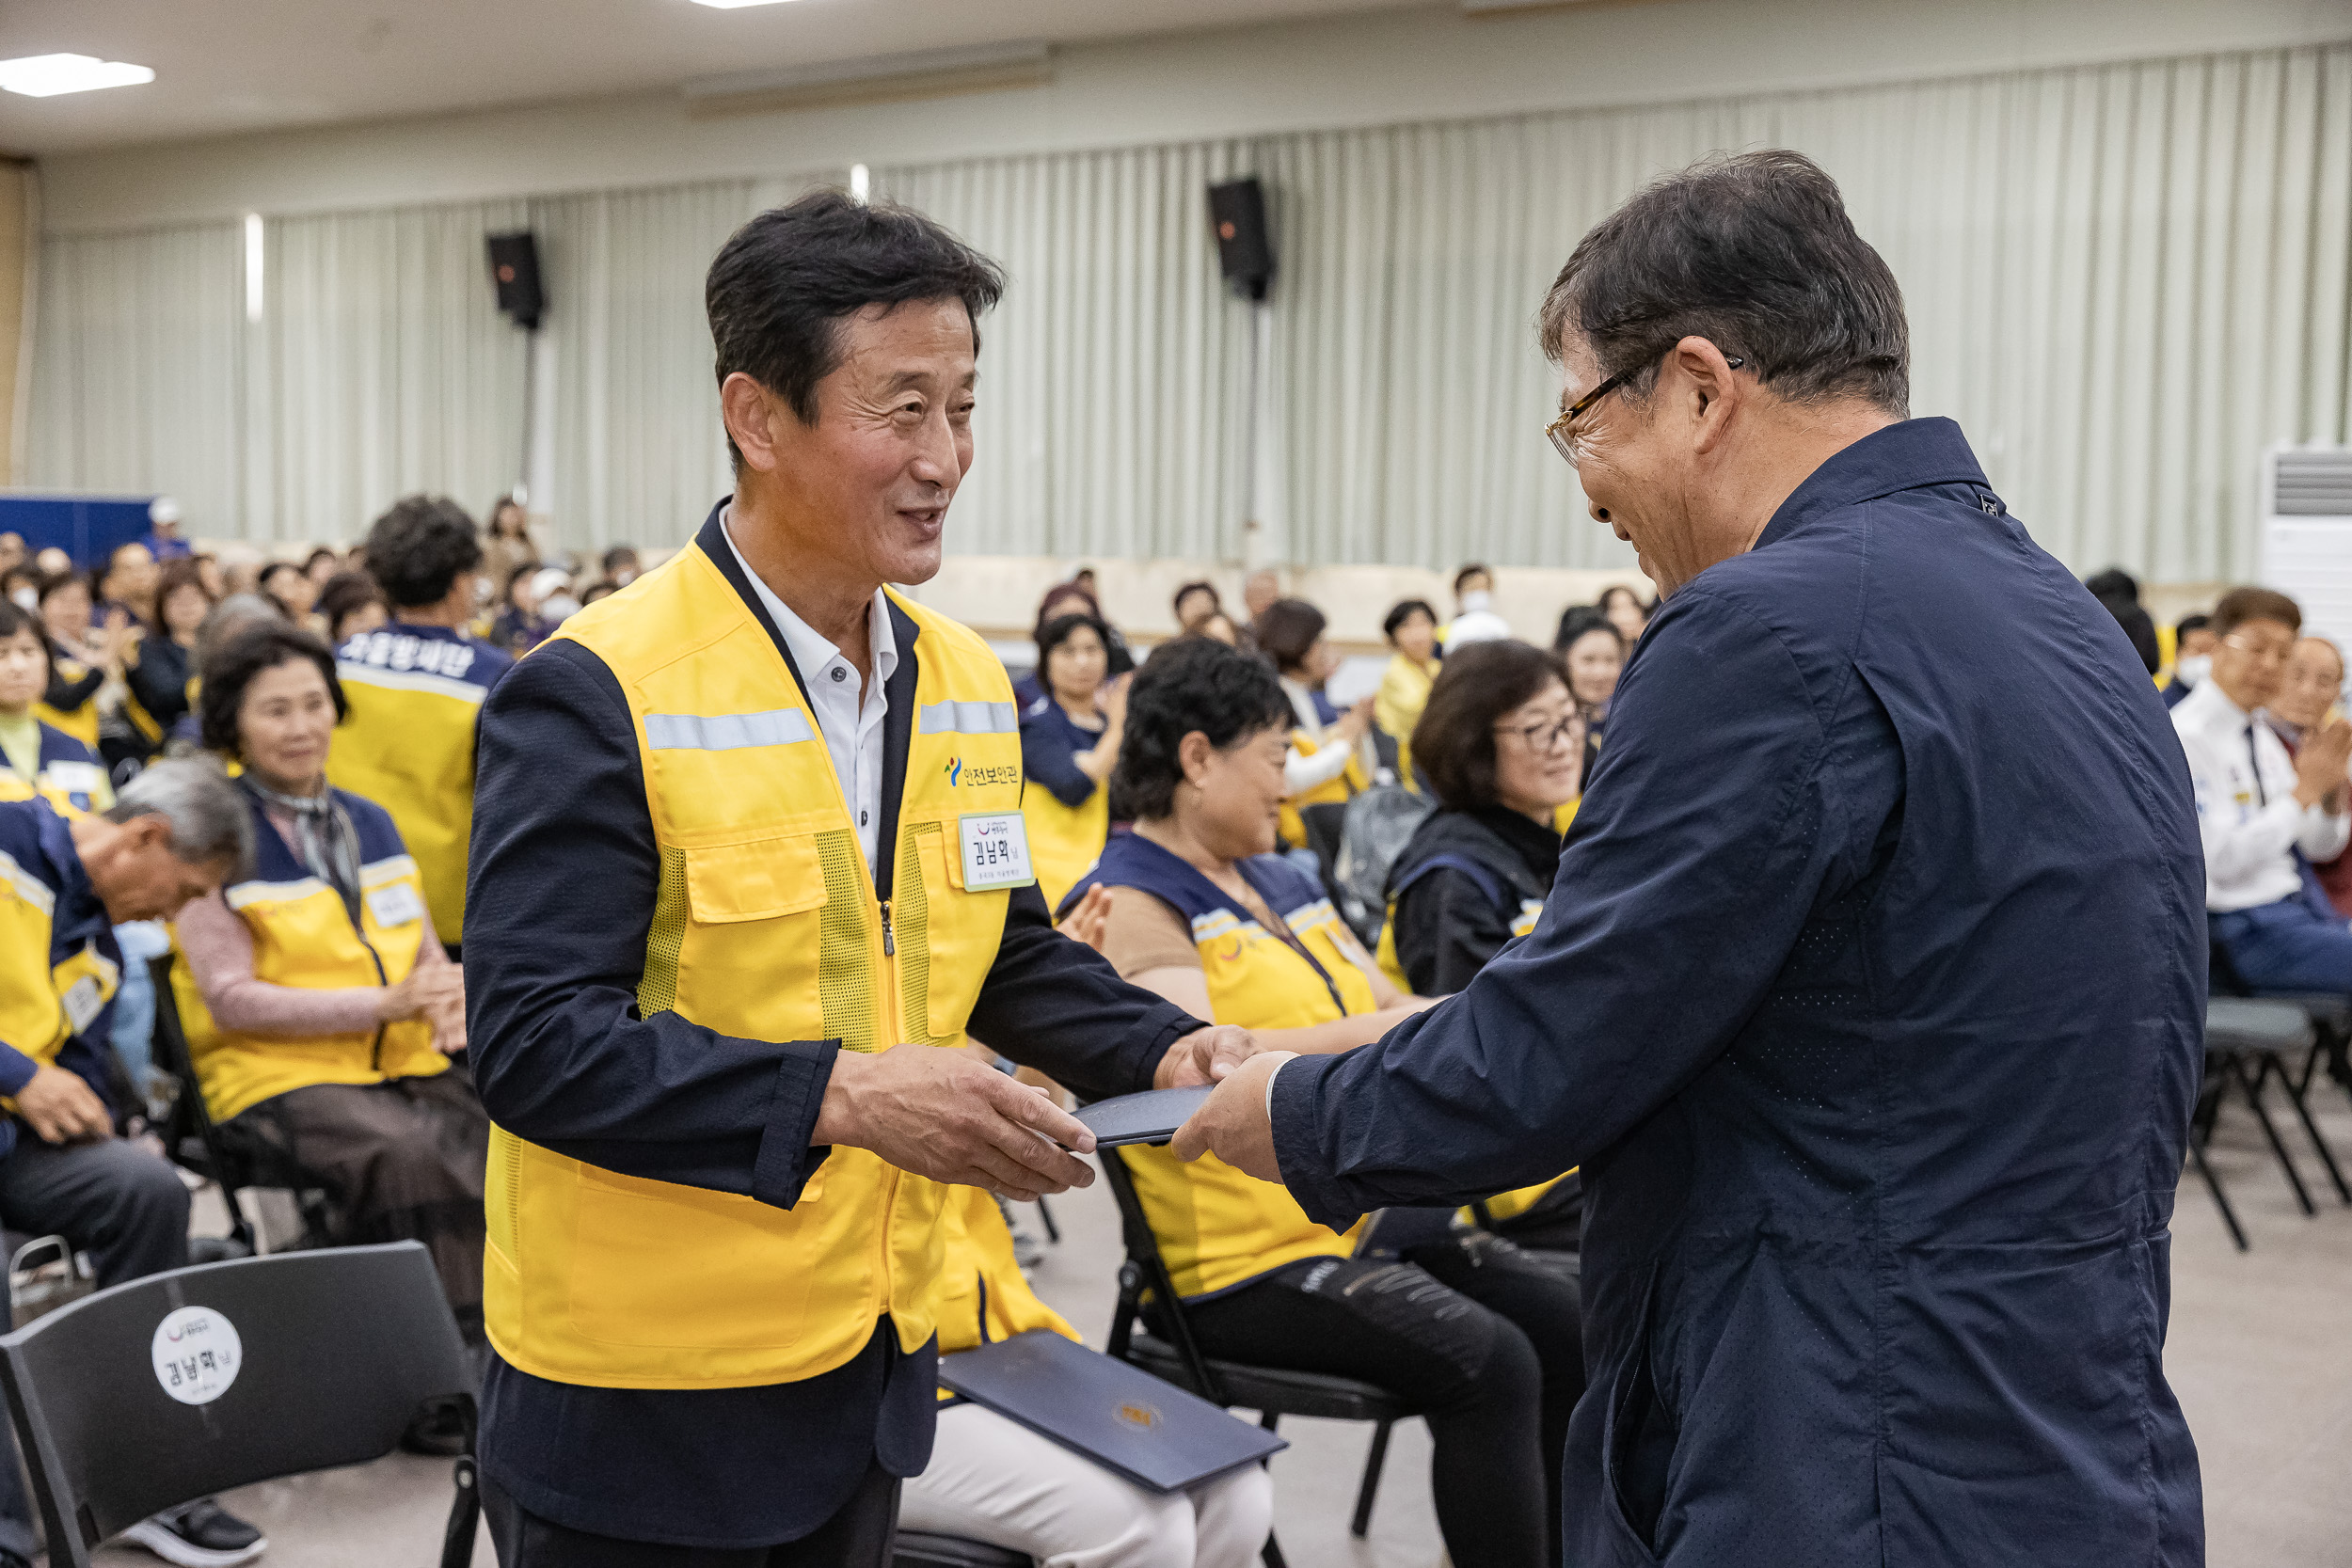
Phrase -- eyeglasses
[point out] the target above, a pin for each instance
(1563, 438)
(2267, 653)
(1540, 736)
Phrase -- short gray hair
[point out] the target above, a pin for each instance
(1755, 254)
(208, 816)
(230, 617)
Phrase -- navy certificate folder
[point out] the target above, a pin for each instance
(1150, 1117)
(1152, 1432)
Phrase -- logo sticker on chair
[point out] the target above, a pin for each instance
(196, 1354)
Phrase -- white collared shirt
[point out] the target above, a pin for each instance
(2246, 808)
(851, 722)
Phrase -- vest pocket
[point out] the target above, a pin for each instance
(659, 1265)
(965, 930)
(758, 879)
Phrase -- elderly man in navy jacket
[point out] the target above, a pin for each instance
(1870, 994)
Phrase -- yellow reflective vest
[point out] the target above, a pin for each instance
(59, 966)
(1339, 789)
(1064, 840)
(1216, 1227)
(71, 779)
(415, 694)
(982, 1297)
(766, 927)
(304, 937)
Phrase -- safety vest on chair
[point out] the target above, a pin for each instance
(71, 779)
(1338, 790)
(1218, 1228)
(766, 927)
(304, 938)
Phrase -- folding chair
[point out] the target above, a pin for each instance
(918, 1549)
(2239, 1030)
(2326, 1017)
(1272, 1391)
(193, 1143)
(318, 1359)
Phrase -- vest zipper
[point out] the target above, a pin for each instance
(890, 943)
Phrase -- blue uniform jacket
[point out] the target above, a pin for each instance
(36, 851)
(1869, 997)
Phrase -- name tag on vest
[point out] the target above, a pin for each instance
(83, 1001)
(395, 905)
(995, 850)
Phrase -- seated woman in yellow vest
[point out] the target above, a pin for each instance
(1500, 745)
(1411, 629)
(1327, 763)
(991, 1478)
(86, 659)
(161, 681)
(1069, 739)
(36, 758)
(1482, 1337)
(320, 1010)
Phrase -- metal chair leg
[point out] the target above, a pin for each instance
(1271, 1553)
(2252, 1091)
(1370, 1487)
(2222, 1201)
(1053, 1231)
(2311, 1129)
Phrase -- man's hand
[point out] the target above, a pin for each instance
(941, 1115)
(1234, 1125)
(1204, 1056)
(2320, 766)
(61, 1108)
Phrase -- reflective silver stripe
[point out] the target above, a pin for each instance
(727, 732)
(971, 719)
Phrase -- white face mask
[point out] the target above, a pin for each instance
(27, 598)
(1477, 599)
(2192, 669)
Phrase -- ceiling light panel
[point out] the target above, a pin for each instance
(736, 4)
(47, 75)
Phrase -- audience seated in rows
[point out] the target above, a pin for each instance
(43, 760)
(88, 659)
(1410, 628)
(2263, 814)
(1329, 760)
(415, 689)
(161, 678)
(1070, 739)
(320, 1010)
(176, 834)
(1481, 1336)
(991, 1478)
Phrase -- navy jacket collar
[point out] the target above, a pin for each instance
(80, 912)
(1912, 455)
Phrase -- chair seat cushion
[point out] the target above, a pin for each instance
(1274, 1389)
(921, 1548)
(2235, 1024)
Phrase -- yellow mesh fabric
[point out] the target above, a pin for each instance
(844, 983)
(506, 1173)
(910, 925)
(657, 993)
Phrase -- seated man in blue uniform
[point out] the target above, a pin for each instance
(748, 864)
(177, 832)
(1870, 993)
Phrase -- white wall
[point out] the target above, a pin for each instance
(1381, 67)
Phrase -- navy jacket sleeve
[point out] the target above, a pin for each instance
(558, 898)
(1695, 860)
(1057, 1005)
(1048, 757)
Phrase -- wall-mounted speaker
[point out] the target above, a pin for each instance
(514, 270)
(1244, 253)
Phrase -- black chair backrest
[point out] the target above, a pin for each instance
(303, 1361)
(190, 1139)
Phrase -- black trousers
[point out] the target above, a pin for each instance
(1484, 1339)
(112, 1200)
(858, 1536)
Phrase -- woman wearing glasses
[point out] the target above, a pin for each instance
(1501, 744)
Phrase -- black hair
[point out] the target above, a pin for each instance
(1579, 619)
(780, 286)
(1754, 252)
(596, 590)
(1056, 632)
(1288, 630)
(1473, 570)
(1453, 742)
(262, 579)
(1176, 603)
(230, 671)
(1616, 588)
(312, 558)
(2113, 583)
(344, 593)
(2190, 622)
(15, 618)
(419, 548)
(1193, 683)
(57, 582)
(619, 556)
(1402, 612)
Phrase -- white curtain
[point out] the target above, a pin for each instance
(2125, 281)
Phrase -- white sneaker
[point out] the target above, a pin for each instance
(201, 1534)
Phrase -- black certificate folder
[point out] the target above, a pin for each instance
(1126, 1421)
(1150, 1117)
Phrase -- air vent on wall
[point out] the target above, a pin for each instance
(2312, 481)
(877, 79)
(2306, 534)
